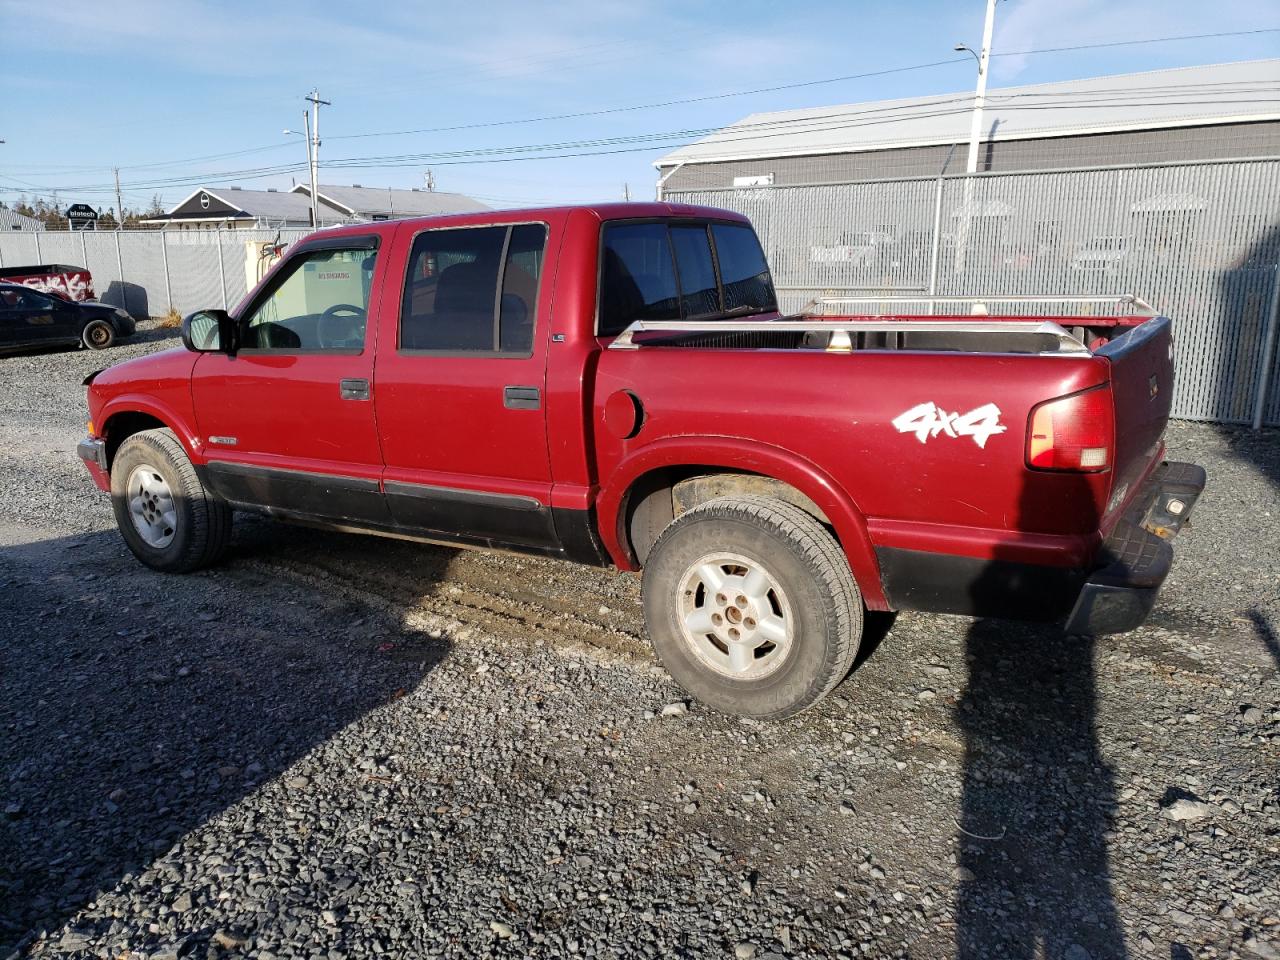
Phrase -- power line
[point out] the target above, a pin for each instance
(1134, 43)
(651, 106)
(647, 141)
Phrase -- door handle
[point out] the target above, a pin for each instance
(521, 398)
(356, 389)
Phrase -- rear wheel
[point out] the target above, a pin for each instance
(98, 335)
(164, 513)
(750, 605)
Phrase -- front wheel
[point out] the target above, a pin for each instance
(98, 335)
(751, 606)
(164, 513)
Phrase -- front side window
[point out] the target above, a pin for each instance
(321, 304)
(473, 290)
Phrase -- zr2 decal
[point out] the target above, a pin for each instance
(927, 420)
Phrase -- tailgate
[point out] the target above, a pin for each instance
(1141, 364)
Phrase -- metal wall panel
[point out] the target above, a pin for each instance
(1199, 241)
(1131, 148)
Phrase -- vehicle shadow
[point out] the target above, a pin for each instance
(1034, 879)
(1266, 633)
(1247, 287)
(137, 706)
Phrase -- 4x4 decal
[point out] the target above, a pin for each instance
(927, 420)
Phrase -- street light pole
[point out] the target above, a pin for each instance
(979, 95)
(311, 166)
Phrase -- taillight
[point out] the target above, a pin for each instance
(1072, 433)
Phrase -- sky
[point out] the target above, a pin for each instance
(177, 90)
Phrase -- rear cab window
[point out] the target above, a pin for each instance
(680, 270)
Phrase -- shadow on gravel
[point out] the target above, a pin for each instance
(1266, 633)
(135, 706)
(1037, 796)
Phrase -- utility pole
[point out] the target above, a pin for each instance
(313, 138)
(119, 203)
(979, 95)
(626, 192)
(430, 180)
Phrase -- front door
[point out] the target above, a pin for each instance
(461, 376)
(288, 421)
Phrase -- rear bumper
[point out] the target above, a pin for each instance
(1134, 561)
(1112, 594)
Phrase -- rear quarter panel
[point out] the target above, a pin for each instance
(836, 413)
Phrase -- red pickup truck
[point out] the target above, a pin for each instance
(614, 384)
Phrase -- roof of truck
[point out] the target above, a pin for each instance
(603, 211)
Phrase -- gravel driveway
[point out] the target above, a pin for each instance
(335, 746)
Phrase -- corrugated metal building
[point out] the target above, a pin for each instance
(1192, 113)
(9, 220)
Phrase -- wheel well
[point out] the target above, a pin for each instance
(122, 426)
(658, 497)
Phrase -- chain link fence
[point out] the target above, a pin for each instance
(1200, 241)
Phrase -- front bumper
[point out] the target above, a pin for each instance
(1136, 558)
(94, 454)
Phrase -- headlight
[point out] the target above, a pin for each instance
(123, 314)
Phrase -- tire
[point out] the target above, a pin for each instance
(98, 335)
(801, 624)
(175, 525)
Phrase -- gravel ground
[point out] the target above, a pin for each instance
(335, 746)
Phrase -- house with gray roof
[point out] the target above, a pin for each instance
(230, 208)
(386, 203)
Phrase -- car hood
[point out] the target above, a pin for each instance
(94, 306)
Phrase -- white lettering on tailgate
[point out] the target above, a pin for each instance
(927, 420)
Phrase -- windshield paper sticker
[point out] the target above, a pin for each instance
(927, 420)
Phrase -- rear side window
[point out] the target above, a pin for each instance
(743, 270)
(473, 290)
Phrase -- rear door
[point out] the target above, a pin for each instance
(461, 383)
(288, 421)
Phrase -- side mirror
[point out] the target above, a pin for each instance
(209, 331)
